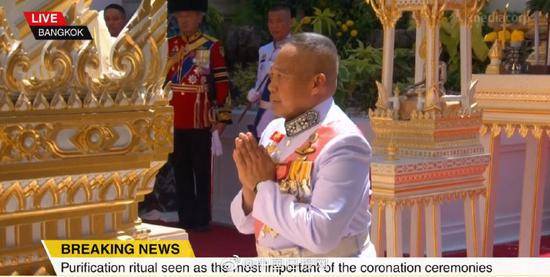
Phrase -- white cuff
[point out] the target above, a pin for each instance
(253, 95)
(244, 223)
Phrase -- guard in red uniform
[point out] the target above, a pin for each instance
(200, 88)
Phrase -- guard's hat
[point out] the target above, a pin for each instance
(187, 5)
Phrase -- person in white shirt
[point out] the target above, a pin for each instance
(279, 24)
(305, 185)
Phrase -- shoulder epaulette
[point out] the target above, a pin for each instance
(210, 37)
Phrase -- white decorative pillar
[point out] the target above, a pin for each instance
(433, 229)
(419, 62)
(471, 203)
(432, 13)
(394, 233)
(388, 13)
(465, 57)
(376, 229)
(416, 241)
(387, 60)
(491, 143)
(534, 179)
(466, 16)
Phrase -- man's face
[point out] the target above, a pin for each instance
(290, 87)
(279, 24)
(188, 21)
(115, 21)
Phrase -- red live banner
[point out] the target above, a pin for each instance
(46, 25)
(45, 19)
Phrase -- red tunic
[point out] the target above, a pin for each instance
(201, 69)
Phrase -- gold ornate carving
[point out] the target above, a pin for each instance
(495, 130)
(432, 11)
(433, 100)
(388, 14)
(509, 130)
(483, 130)
(469, 11)
(84, 128)
(523, 130)
(537, 130)
(440, 155)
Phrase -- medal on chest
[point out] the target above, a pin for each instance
(294, 177)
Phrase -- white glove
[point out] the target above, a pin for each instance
(217, 149)
(253, 95)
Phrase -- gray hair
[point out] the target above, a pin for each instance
(320, 47)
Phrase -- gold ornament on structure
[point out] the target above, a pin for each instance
(70, 67)
(383, 202)
(84, 128)
(432, 11)
(469, 11)
(95, 139)
(523, 130)
(483, 130)
(509, 130)
(388, 14)
(536, 130)
(495, 130)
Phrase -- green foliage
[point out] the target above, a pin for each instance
(214, 22)
(539, 5)
(479, 47)
(362, 67)
(243, 78)
(349, 23)
(323, 21)
(345, 22)
(357, 73)
(449, 35)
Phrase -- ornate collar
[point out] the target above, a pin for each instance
(301, 123)
(192, 37)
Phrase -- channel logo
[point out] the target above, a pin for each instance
(53, 26)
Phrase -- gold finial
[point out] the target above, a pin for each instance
(495, 54)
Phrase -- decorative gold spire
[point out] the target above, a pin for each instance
(495, 54)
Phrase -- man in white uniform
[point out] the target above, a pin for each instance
(305, 186)
(279, 25)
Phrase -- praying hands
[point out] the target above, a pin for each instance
(254, 165)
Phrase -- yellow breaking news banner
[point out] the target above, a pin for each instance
(141, 257)
(118, 248)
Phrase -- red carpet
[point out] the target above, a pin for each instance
(219, 241)
(226, 241)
